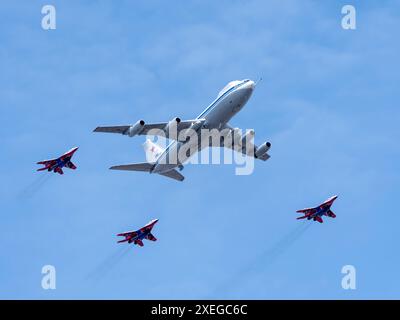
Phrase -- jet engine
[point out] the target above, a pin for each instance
(172, 123)
(135, 129)
(262, 149)
(173, 127)
(184, 136)
(233, 137)
(247, 137)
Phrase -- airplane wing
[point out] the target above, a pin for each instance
(157, 129)
(249, 151)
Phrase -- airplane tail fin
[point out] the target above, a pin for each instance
(152, 150)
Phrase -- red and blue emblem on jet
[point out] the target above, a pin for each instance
(137, 236)
(316, 213)
(57, 164)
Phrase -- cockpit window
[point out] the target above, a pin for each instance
(228, 86)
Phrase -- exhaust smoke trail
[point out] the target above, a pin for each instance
(33, 188)
(268, 257)
(108, 264)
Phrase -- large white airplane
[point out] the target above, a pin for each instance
(229, 101)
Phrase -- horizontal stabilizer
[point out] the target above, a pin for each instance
(173, 174)
(306, 210)
(144, 166)
(45, 162)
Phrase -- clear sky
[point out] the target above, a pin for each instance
(328, 102)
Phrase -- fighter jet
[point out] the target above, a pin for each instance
(228, 103)
(137, 236)
(316, 213)
(57, 164)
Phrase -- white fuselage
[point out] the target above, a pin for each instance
(216, 116)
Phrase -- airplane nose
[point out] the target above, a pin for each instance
(250, 85)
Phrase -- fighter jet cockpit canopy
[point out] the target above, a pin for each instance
(231, 85)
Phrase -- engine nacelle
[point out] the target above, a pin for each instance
(135, 129)
(247, 137)
(234, 137)
(196, 126)
(172, 123)
(262, 149)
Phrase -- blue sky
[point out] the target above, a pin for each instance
(328, 102)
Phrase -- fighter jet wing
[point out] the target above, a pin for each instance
(156, 129)
(151, 237)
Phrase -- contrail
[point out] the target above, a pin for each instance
(269, 256)
(108, 264)
(35, 186)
